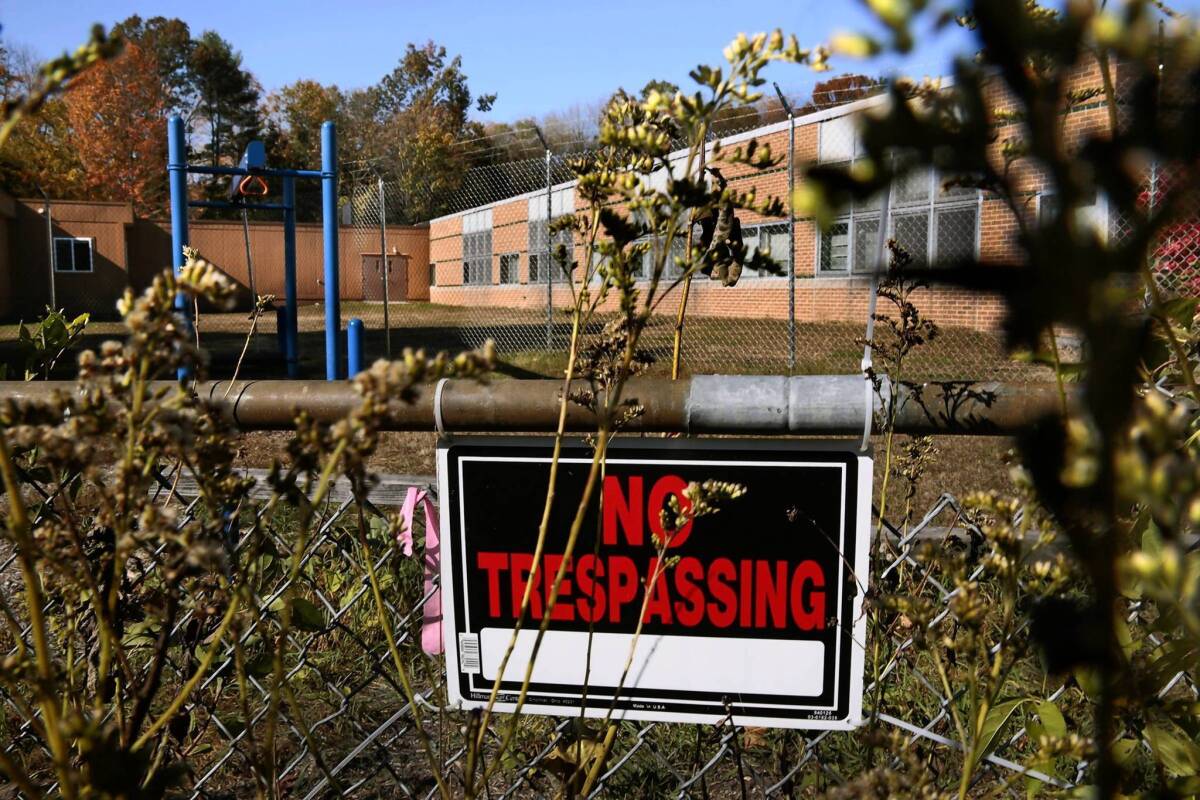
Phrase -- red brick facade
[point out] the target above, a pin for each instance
(820, 296)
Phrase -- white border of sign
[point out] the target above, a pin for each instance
(506, 700)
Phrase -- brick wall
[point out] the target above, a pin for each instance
(818, 297)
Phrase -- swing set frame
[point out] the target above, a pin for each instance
(254, 167)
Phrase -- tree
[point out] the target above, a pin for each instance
(293, 117)
(114, 111)
(412, 123)
(227, 96)
(169, 40)
(841, 89)
(37, 156)
(424, 79)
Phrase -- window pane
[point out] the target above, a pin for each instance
(64, 255)
(956, 234)
(678, 251)
(955, 191)
(508, 268)
(83, 255)
(835, 248)
(433, 274)
(870, 204)
(866, 234)
(535, 273)
(911, 232)
(913, 187)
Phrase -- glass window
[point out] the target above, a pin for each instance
(911, 232)
(433, 274)
(477, 257)
(866, 234)
(72, 254)
(772, 239)
(913, 187)
(956, 233)
(510, 268)
(926, 219)
(835, 248)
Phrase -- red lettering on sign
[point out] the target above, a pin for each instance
(587, 572)
(668, 485)
(770, 594)
(622, 585)
(746, 589)
(722, 592)
(808, 596)
(625, 512)
(493, 564)
(659, 604)
(751, 593)
(689, 572)
(522, 566)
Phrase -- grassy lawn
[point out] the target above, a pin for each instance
(710, 344)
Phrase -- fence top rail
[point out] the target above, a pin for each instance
(715, 404)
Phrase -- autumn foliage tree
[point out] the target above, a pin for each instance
(115, 113)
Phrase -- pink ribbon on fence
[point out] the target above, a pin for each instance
(431, 612)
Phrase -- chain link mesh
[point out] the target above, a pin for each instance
(353, 735)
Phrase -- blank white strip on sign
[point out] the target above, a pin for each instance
(689, 663)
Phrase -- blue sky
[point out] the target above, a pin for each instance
(539, 57)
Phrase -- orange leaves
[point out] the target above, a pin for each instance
(116, 112)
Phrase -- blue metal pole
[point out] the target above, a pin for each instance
(333, 308)
(291, 335)
(354, 347)
(177, 179)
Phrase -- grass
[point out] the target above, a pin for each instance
(710, 345)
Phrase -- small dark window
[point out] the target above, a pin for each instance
(72, 254)
(510, 268)
(835, 248)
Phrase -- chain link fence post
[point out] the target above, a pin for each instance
(549, 269)
(791, 229)
(385, 269)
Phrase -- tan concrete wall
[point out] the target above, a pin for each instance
(95, 292)
(223, 243)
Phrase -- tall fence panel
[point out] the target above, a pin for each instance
(354, 735)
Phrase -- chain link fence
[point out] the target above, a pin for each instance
(349, 732)
(488, 275)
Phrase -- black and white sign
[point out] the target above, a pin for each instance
(760, 612)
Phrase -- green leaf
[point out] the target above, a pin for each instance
(1051, 719)
(261, 665)
(1088, 680)
(306, 616)
(1124, 750)
(1178, 755)
(993, 723)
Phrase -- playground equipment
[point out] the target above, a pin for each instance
(248, 192)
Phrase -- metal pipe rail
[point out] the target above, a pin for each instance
(714, 404)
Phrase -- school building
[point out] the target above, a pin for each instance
(495, 256)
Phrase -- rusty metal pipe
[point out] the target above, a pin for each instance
(715, 404)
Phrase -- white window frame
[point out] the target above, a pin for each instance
(934, 202)
(1095, 215)
(477, 247)
(91, 249)
(779, 258)
(515, 260)
(931, 206)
